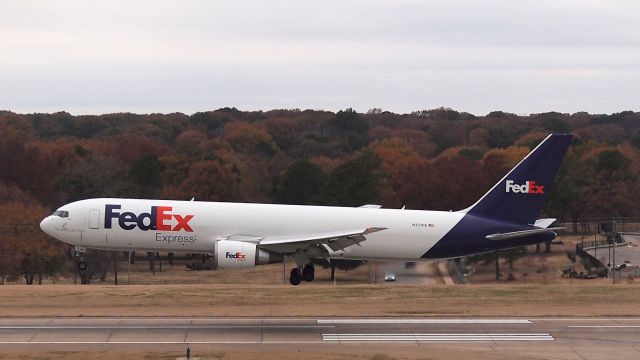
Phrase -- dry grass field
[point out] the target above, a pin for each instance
(291, 352)
(319, 300)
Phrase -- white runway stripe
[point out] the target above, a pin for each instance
(438, 337)
(159, 327)
(604, 326)
(424, 321)
(148, 342)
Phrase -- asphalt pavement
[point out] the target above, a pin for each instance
(580, 338)
(628, 254)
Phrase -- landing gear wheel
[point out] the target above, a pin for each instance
(308, 273)
(296, 277)
(82, 265)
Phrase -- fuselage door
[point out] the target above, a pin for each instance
(94, 219)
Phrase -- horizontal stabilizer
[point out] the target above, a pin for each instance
(519, 234)
(544, 223)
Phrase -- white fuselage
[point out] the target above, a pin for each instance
(409, 234)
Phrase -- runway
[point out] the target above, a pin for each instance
(576, 335)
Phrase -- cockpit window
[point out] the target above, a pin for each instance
(62, 214)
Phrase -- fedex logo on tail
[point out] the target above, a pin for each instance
(529, 187)
(159, 218)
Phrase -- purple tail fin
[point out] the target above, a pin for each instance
(518, 197)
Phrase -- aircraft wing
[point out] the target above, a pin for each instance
(336, 240)
(517, 234)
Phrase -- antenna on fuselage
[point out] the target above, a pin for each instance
(193, 198)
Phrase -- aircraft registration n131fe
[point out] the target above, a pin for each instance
(245, 235)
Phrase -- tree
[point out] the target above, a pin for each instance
(396, 156)
(301, 184)
(445, 184)
(249, 138)
(355, 182)
(352, 127)
(26, 250)
(210, 180)
(146, 174)
(96, 177)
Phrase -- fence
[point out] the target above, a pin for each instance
(599, 226)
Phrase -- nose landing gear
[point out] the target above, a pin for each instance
(79, 253)
(82, 264)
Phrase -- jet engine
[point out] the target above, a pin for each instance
(230, 254)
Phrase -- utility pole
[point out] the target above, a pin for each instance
(115, 266)
(284, 270)
(614, 262)
(333, 273)
(614, 250)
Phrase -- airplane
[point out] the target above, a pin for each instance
(243, 235)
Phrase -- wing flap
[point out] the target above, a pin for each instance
(336, 240)
(244, 238)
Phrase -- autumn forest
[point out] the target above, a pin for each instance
(437, 159)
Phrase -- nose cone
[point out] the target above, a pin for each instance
(47, 226)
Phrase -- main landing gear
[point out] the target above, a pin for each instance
(307, 274)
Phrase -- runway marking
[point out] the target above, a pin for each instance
(160, 327)
(148, 342)
(604, 326)
(424, 321)
(436, 337)
(587, 319)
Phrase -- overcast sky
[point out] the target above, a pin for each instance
(91, 57)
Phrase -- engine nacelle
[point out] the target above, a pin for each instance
(230, 254)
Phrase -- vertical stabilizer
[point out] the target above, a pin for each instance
(519, 196)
